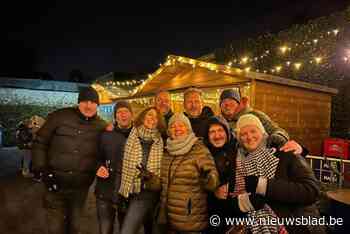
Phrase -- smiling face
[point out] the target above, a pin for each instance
(229, 108)
(123, 117)
(217, 135)
(193, 104)
(178, 130)
(251, 137)
(88, 108)
(163, 102)
(150, 120)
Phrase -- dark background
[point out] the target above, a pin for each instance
(51, 39)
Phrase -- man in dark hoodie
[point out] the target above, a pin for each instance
(65, 158)
(193, 105)
(222, 146)
(110, 166)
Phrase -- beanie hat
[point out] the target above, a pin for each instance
(88, 94)
(180, 117)
(249, 119)
(230, 93)
(220, 121)
(121, 104)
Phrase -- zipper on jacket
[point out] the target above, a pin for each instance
(189, 206)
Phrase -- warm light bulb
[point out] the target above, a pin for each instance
(335, 31)
(297, 66)
(244, 60)
(283, 49)
(278, 68)
(318, 60)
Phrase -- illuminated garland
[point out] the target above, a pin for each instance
(318, 49)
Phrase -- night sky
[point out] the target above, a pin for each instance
(124, 36)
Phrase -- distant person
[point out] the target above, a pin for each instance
(65, 157)
(25, 135)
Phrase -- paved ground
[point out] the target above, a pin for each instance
(21, 200)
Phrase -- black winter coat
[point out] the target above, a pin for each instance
(67, 145)
(111, 152)
(200, 124)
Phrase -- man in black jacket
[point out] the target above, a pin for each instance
(109, 173)
(65, 156)
(193, 105)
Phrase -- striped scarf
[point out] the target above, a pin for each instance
(261, 162)
(130, 183)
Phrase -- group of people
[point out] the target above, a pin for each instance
(165, 172)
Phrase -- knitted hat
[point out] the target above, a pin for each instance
(249, 119)
(88, 94)
(220, 121)
(121, 104)
(180, 117)
(230, 93)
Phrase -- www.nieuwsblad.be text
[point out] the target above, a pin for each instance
(216, 220)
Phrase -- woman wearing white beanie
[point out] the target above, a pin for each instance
(271, 184)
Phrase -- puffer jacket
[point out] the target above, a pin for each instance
(183, 199)
(67, 145)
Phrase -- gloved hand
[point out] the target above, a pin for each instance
(145, 174)
(250, 183)
(258, 201)
(276, 140)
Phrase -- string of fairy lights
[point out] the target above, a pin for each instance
(128, 83)
(247, 63)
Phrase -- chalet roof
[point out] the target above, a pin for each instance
(179, 73)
